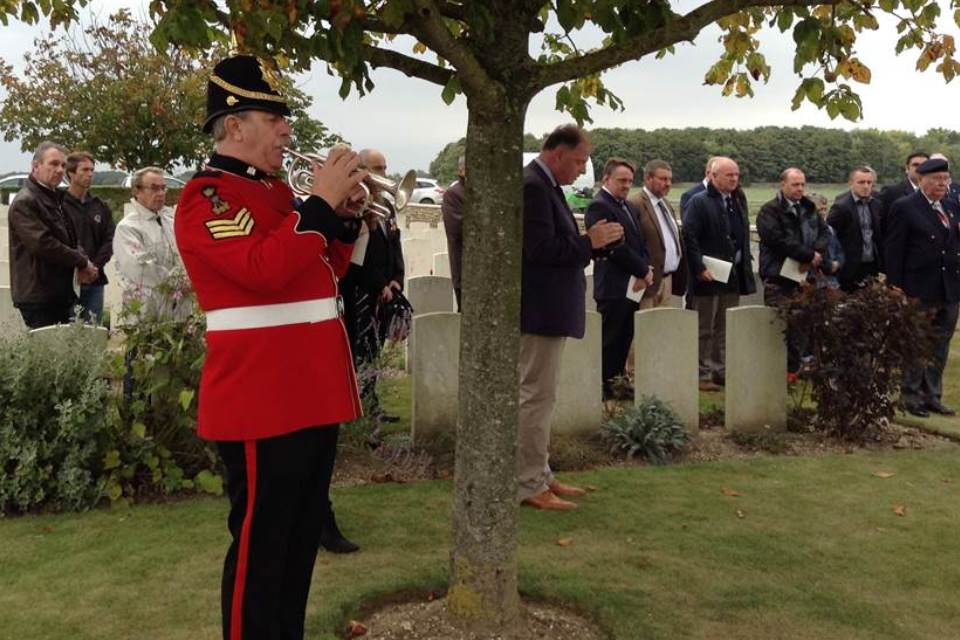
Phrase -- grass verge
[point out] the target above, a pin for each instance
(809, 548)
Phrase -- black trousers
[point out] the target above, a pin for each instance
(925, 384)
(864, 270)
(45, 315)
(617, 322)
(279, 492)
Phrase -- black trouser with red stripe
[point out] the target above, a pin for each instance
(279, 492)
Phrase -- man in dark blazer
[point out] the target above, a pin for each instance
(922, 258)
(790, 227)
(954, 190)
(452, 209)
(552, 304)
(716, 225)
(624, 268)
(892, 193)
(856, 218)
(661, 233)
(699, 187)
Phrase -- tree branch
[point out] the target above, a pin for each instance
(429, 28)
(684, 28)
(407, 65)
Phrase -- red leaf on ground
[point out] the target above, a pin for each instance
(356, 629)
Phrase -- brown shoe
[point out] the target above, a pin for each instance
(566, 490)
(549, 501)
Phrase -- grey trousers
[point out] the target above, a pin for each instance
(926, 383)
(712, 321)
(539, 369)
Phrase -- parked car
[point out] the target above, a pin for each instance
(427, 191)
(171, 182)
(13, 182)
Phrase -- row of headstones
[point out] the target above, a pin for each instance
(665, 367)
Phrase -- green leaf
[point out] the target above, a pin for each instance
(784, 20)
(186, 397)
(888, 5)
(111, 460)
(451, 89)
(139, 430)
(209, 482)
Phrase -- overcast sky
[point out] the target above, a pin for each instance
(407, 119)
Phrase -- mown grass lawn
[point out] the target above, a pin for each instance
(811, 548)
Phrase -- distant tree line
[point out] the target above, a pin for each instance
(825, 155)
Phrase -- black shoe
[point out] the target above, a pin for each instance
(916, 409)
(938, 407)
(332, 540)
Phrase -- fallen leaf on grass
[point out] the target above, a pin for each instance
(947, 481)
(591, 488)
(356, 629)
(741, 514)
(730, 493)
(381, 478)
(433, 595)
(564, 542)
(900, 510)
(884, 474)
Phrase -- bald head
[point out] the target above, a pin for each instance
(374, 161)
(726, 175)
(708, 169)
(793, 184)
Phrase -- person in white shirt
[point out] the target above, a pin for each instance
(146, 251)
(661, 233)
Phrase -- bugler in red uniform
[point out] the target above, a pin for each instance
(240, 245)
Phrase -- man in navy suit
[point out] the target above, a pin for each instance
(922, 259)
(697, 188)
(623, 268)
(716, 225)
(552, 304)
(855, 217)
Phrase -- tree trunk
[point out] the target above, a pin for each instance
(483, 587)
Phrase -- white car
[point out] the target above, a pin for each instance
(171, 182)
(13, 182)
(427, 191)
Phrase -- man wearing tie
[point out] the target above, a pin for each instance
(715, 225)
(922, 259)
(660, 230)
(892, 193)
(619, 271)
(855, 217)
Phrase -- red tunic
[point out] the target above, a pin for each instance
(240, 247)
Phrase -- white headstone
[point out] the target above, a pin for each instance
(10, 319)
(430, 294)
(579, 406)
(67, 334)
(4, 272)
(756, 370)
(435, 345)
(441, 264)
(417, 257)
(589, 302)
(665, 361)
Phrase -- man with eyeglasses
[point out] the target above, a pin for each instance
(145, 249)
(922, 259)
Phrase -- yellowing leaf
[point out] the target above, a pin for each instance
(419, 47)
(884, 474)
(900, 510)
(730, 493)
(564, 542)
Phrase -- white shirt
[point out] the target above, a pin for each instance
(668, 228)
(149, 264)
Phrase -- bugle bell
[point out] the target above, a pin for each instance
(300, 179)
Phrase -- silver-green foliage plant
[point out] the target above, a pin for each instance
(54, 427)
(651, 430)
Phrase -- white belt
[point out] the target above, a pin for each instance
(272, 315)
